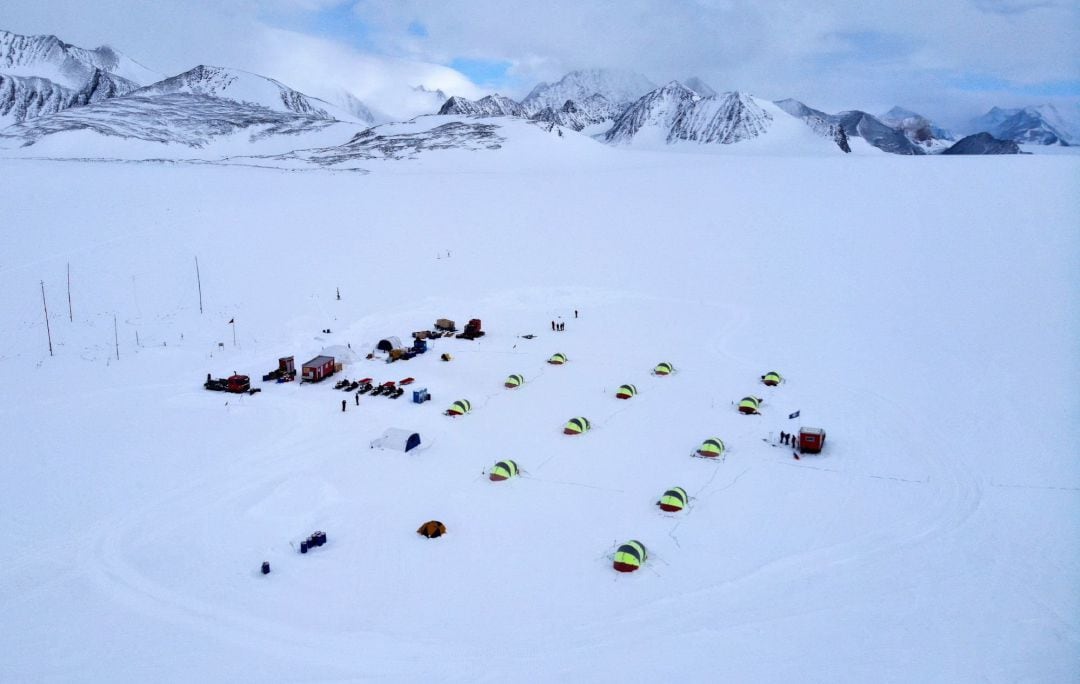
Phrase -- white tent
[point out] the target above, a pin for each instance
(397, 439)
(340, 352)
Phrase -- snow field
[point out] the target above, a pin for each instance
(934, 540)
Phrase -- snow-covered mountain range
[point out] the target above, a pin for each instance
(580, 100)
(188, 119)
(41, 75)
(192, 109)
(595, 110)
(673, 113)
(856, 124)
(243, 87)
(617, 86)
(676, 114)
(1042, 125)
(65, 64)
(50, 89)
(491, 105)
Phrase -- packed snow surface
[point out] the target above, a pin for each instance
(927, 324)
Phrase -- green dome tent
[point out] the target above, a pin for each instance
(673, 500)
(575, 426)
(459, 408)
(664, 368)
(772, 379)
(557, 359)
(749, 405)
(503, 470)
(711, 448)
(514, 381)
(630, 556)
(626, 391)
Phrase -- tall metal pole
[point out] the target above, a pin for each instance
(198, 278)
(46, 307)
(234, 333)
(116, 337)
(71, 316)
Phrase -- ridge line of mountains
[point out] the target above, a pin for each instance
(48, 86)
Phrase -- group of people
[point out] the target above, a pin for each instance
(559, 326)
(789, 438)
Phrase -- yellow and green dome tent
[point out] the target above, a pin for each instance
(749, 405)
(514, 381)
(673, 500)
(626, 391)
(711, 448)
(772, 379)
(503, 470)
(664, 368)
(459, 408)
(575, 426)
(630, 556)
(557, 359)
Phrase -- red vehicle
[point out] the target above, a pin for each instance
(318, 368)
(811, 440)
(237, 384)
(472, 330)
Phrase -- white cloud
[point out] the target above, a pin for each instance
(322, 67)
(774, 48)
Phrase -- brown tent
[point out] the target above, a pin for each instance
(432, 529)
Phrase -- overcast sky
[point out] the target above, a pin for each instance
(949, 59)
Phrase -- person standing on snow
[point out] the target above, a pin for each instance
(358, 398)
(343, 406)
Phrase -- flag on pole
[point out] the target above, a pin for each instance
(792, 416)
(231, 321)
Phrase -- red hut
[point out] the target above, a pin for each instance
(318, 368)
(811, 440)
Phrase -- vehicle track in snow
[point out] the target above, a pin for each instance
(103, 557)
